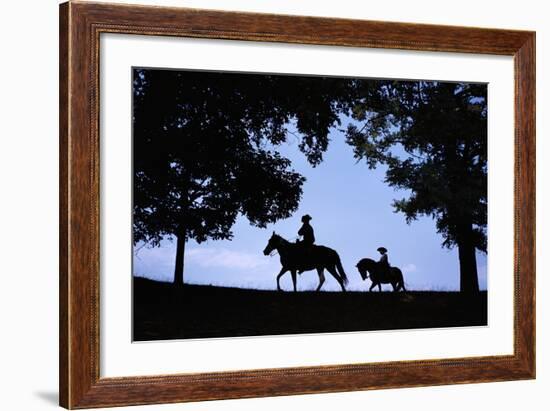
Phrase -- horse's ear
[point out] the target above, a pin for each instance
(273, 232)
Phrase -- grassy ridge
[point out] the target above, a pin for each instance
(162, 311)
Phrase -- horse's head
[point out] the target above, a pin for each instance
(364, 266)
(272, 244)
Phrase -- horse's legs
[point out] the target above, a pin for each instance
(372, 286)
(332, 270)
(379, 287)
(293, 273)
(321, 273)
(283, 270)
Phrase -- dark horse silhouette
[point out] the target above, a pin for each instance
(319, 258)
(379, 276)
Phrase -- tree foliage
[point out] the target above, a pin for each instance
(204, 149)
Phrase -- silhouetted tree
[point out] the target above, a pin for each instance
(432, 136)
(203, 150)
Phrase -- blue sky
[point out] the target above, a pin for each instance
(352, 213)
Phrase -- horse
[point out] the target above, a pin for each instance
(320, 258)
(393, 276)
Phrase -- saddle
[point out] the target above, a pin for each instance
(384, 269)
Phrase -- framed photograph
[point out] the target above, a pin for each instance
(259, 205)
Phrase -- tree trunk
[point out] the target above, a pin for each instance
(468, 265)
(180, 253)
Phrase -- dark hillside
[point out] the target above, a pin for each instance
(163, 311)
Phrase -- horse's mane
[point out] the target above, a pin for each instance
(281, 237)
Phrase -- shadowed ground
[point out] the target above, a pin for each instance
(162, 311)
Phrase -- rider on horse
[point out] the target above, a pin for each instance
(383, 262)
(306, 231)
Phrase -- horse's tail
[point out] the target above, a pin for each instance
(400, 279)
(341, 269)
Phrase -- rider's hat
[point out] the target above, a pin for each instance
(306, 217)
(382, 249)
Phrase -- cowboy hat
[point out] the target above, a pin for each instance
(382, 249)
(306, 217)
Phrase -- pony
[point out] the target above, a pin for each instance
(318, 258)
(393, 276)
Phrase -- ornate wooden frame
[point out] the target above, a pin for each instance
(80, 27)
